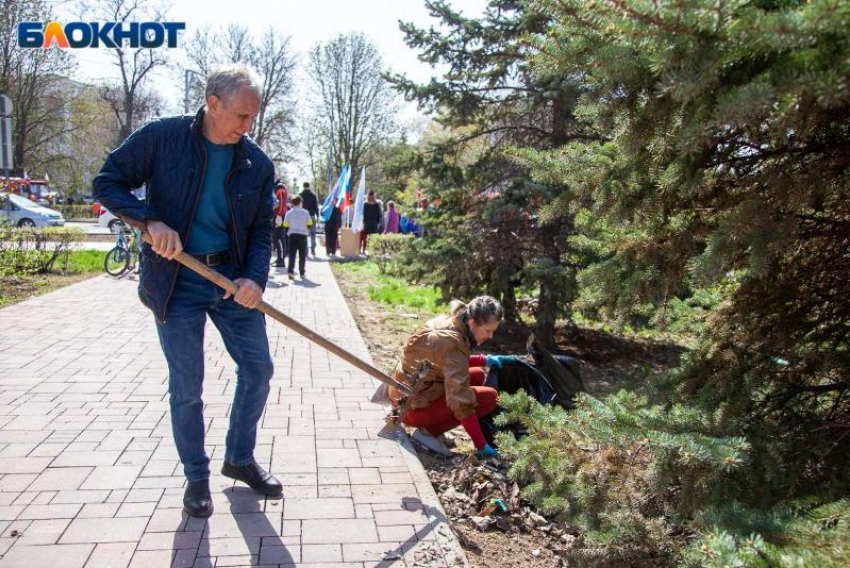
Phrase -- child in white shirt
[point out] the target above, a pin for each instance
(297, 222)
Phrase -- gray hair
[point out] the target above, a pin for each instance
(225, 81)
(482, 309)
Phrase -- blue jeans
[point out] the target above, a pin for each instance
(182, 339)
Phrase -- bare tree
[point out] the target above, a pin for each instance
(74, 158)
(238, 44)
(355, 109)
(29, 77)
(275, 64)
(134, 64)
(209, 47)
(272, 58)
(146, 105)
(313, 149)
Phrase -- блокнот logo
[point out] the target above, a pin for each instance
(97, 34)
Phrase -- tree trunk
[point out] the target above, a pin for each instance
(545, 320)
(19, 144)
(509, 304)
(551, 294)
(127, 123)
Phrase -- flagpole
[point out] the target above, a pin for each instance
(330, 172)
(357, 216)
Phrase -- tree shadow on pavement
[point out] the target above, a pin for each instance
(419, 551)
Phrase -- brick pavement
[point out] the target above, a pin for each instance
(89, 476)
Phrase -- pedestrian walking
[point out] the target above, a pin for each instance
(311, 205)
(298, 223)
(281, 245)
(332, 231)
(391, 219)
(372, 219)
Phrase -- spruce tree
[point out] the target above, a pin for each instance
(490, 101)
(724, 157)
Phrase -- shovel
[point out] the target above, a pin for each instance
(393, 420)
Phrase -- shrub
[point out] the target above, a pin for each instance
(31, 251)
(76, 211)
(657, 485)
(627, 473)
(386, 251)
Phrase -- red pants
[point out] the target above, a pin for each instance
(437, 418)
(364, 237)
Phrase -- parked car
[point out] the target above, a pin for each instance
(23, 212)
(109, 221)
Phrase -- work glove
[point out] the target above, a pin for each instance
(486, 452)
(495, 361)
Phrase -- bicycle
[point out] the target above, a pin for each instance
(121, 257)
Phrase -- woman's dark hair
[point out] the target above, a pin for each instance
(482, 310)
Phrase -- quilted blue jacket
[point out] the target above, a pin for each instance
(169, 156)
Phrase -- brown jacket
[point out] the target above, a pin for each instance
(445, 342)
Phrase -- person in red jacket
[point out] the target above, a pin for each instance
(281, 247)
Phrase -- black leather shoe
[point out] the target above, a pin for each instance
(255, 476)
(197, 501)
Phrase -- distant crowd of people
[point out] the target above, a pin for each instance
(293, 230)
(378, 220)
(295, 220)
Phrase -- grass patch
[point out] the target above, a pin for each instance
(387, 309)
(395, 294)
(356, 267)
(82, 264)
(391, 291)
(85, 261)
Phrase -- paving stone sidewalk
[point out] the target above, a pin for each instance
(89, 476)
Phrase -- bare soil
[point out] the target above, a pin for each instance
(522, 538)
(14, 289)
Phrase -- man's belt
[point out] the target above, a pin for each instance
(214, 258)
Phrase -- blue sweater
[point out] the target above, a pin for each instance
(210, 229)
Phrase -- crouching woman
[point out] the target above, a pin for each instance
(453, 393)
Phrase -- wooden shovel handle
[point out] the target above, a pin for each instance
(228, 285)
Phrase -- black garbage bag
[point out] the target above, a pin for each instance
(562, 372)
(549, 379)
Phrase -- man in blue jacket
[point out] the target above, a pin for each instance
(209, 194)
(311, 206)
